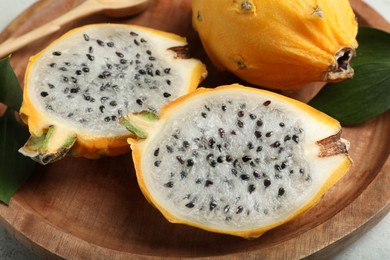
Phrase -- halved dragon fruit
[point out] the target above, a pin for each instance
(237, 160)
(77, 88)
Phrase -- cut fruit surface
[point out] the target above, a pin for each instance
(237, 160)
(82, 83)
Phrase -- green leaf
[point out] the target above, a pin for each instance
(367, 95)
(15, 169)
(10, 91)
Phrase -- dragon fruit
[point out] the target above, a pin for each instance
(237, 160)
(78, 87)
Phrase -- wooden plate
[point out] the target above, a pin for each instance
(78, 208)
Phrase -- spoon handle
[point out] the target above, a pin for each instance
(84, 9)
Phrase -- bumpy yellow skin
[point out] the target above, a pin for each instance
(276, 44)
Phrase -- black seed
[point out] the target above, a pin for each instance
(139, 102)
(167, 70)
(74, 90)
(157, 72)
(211, 142)
(119, 54)
(221, 132)
(44, 94)
(57, 53)
(65, 79)
(220, 159)
(157, 163)
(190, 162)
(113, 118)
(233, 132)
(213, 163)
(190, 205)
(226, 209)
(243, 105)
(198, 181)
(281, 192)
(204, 115)
(169, 184)
(51, 86)
(259, 122)
(167, 95)
(133, 34)
(228, 218)
(100, 42)
(123, 61)
(52, 64)
(250, 146)
(269, 134)
(244, 177)
(239, 209)
(252, 116)
(63, 69)
(90, 57)
(277, 167)
(169, 149)
(275, 145)
(180, 160)
(142, 72)
(151, 58)
(73, 79)
(287, 137)
(86, 37)
(283, 165)
(70, 114)
(208, 183)
(251, 188)
(87, 98)
(138, 55)
(212, 205)
(110, 44)
(302, 171)
(90, 50)
(107, 119)
(281, 124)
(143, 40)
(240, 113)
(256, 175)
(234, 172)
(267, 103)
(85, 69)
(183, 174)
(291, 172)
(136, 42)
(258, 134)
(240, 124)
(267, 183)
(229, 158)
(149, 52)
(168, 82)
(79, 72)
(246, 158)
(295, 138)
(113, 103)
(156, 152)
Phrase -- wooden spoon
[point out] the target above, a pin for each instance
(114, 8)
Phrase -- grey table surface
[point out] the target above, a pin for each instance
(375, 244)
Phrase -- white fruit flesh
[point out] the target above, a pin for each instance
(96, 74)
(204, 166)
